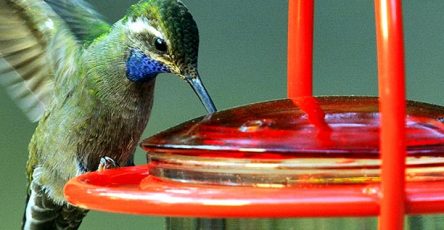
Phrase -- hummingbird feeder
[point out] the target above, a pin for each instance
(303, 156)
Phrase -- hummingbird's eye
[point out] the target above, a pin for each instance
(160, 44)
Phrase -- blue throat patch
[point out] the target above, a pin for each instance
(141, 68)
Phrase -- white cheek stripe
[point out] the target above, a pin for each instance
(142, 25)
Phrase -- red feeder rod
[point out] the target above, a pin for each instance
(391, 80)
(300, 48)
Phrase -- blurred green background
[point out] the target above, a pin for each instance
(242, 59)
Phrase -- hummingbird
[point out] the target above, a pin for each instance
(90, 86)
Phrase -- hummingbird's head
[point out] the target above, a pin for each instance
(163, 38)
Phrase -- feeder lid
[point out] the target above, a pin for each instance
(324, 126)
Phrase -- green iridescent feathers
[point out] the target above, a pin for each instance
(176, 22)
(41, 39)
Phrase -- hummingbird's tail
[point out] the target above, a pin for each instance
(42, 213)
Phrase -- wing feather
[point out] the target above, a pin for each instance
(82, 19)
(29, 31)
(23, 65)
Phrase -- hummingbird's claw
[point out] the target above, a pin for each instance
(106, 163)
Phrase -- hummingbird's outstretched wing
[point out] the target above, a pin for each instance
(39, 39)
(24, 36)
(81, 18)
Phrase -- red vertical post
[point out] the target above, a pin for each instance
(391, 77)
(300, 48)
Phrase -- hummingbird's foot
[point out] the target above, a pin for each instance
(106, 163)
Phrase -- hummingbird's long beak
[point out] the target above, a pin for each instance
(201, 92)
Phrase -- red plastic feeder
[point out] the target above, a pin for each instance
(274, 159)
(298, 157)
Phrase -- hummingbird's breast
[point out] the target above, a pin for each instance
(113, 129)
